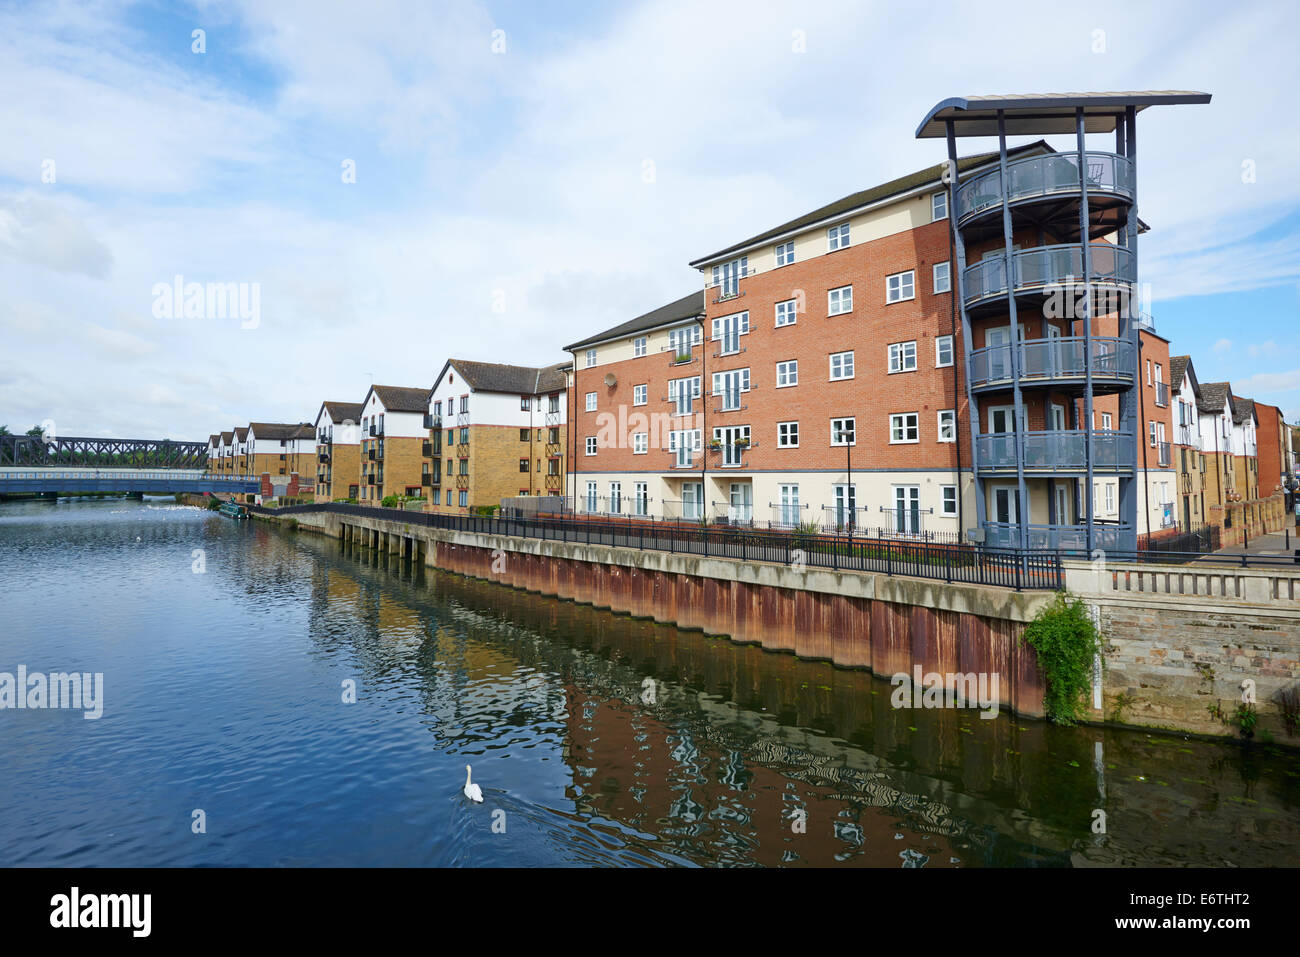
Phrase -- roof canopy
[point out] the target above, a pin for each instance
(1035, 114)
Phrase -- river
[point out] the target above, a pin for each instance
(227, 737)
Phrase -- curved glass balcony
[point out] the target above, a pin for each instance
(1057, 451)
(1033, 270)
(1110, 536)
(1036, 177)
(1051, 361)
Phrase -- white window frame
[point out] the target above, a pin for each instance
(937, 200)
(842, 365)
(837, 237)
(890, 297)
(639, 345)
(852, 420)
(783, 437)
(944, 270)
(640, 443)
(720, 389)
(783, 251)
(902, 417)
(1106, 422)
(943, 500)
(641, 394)
(792, 377)
(951, 415)
(593, 498)
(640, 498)
(791, 313)
(899, 353)
(720, 335)
(837, 298)
(938, 352)
(591, 445)
(591, 358)
(591, 402)
(727, 276)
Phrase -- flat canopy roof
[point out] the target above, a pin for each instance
(1033, 114)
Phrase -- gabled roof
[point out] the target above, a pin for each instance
(1034, 114)
(856, 201)
(514, 380)
(1213, 396)
(241, 433)
(341, 412)
(1180, 366)
(690, 306)
(281, 430)
(214, 438)
(396, 398)
(1243, 409)
(227, 438)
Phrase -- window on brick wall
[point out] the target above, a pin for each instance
(837, 237)
(523, 465)
(785, 253)
(841, 365)
(839, 301)
(947, 425)
(639, 346)
(639, 394)
(844, 431)
(900, 286)
(523, 435)
(787, 435)
(787, 373)
(903, 428)
(591, 445)
(943, 351)
(902, 357)
(786, 314)
(942, 277)
(591, 402)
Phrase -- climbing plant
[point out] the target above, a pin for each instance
(1067, 641)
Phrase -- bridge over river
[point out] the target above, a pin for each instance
(33, 464)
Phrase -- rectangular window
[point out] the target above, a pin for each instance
(640, 443)
(943, 351)
(464, 436)
(727, 276)
(464, 499)
(1151, 427)
(843, 432)
(681, 340)
(684, 444)
(1110, 498)
(591, 358)
(615, 497)
(947, 425)
(592, 502)
(523, 465)
(785, 253)
(942, 277)
(682, 393)
(785, 312)
(639, 346)
(938, 206)
(900, 286)
(640, 499)
(464, 399)
(1105, 421)
(787, 373)
(555, 403)
(523, 435)
(787, 435)
(839, 301)
(902, 357)
(788, 511)
(591, 402)
(837, 237)
(903, 428)
(730, 386)
(949, 506)
(524, 403)
(727, 331)
(639, 395)
(591, 445)
(841, 365)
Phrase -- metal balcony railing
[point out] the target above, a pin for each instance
(1187, 436)
(725, 513)
(1042, 176)
(1049, 360)
(432, 421)
(370, 454)
(1057, 450)
(1043, 266)
(426, 449)
(1105, 535)
(1163, 455)
(323, 455)
(1162, 395)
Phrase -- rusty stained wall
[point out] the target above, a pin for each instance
(885, 637)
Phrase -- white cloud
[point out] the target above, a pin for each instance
(1222, 345)
(42, 231)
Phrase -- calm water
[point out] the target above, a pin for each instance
(223, 692)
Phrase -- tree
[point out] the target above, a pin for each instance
(4, 430)
(36, 432)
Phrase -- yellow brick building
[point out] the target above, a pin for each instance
(393, 442)
(338, 451)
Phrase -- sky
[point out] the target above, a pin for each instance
(403, 182)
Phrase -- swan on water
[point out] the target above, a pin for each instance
(472, 790)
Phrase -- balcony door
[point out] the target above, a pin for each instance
(740, 507)
(1005, 507)
(1062, 516)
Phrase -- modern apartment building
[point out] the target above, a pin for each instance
(1245, 448)
(1189, 459)
(226, 453)
(243, 462)
(1274, 447)
(393, 435)
(495, 431)
(280, 448)
(1217, 419)
(1046, 248)
(338, 450)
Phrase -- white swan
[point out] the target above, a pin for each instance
(472, 790)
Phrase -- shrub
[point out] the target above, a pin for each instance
(1067, 642)
(213, 504)
(390, 501)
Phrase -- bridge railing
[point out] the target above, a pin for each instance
(73, 451)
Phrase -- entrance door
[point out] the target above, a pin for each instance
(741, 502)
(997, 341)
(692, 500)
(1005, 510)
(907, 509)
(846, 504)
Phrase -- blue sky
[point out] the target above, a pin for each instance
(501, 206)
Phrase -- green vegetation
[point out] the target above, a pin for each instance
(214, 504)
(1289, 701)
(488, 510)
(1066, 641)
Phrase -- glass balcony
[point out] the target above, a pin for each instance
(1162, 395)
(1109, 536)
(1038, 177)
(1043, 267)
(1163, 455)
(1046, 361)
(1056, 451)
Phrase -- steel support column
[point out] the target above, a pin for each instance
(1022, 493)
(1084, 239)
